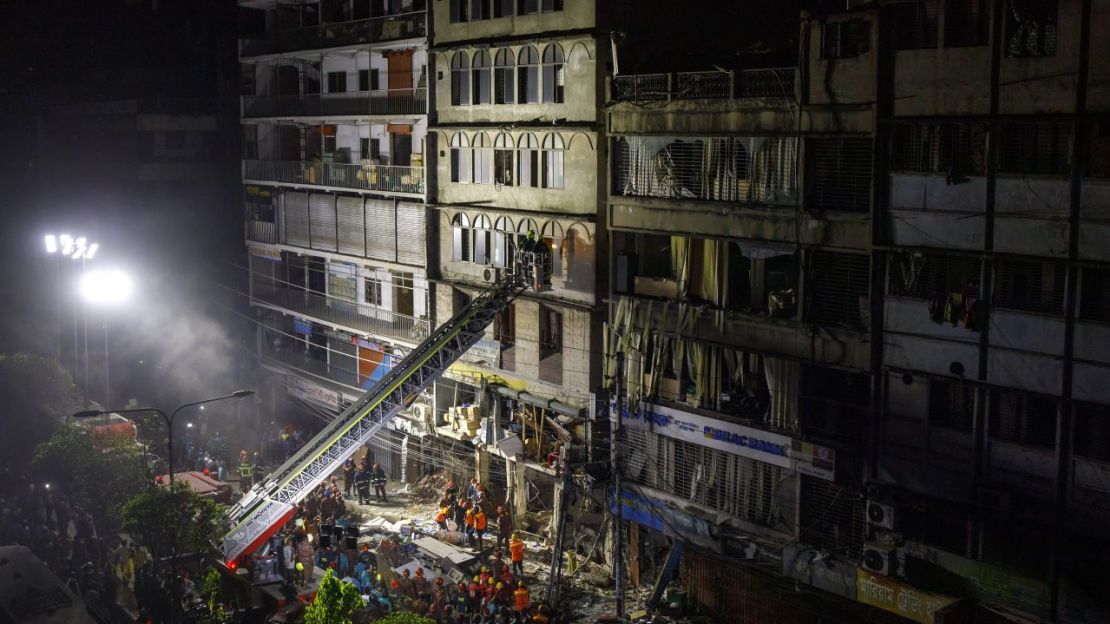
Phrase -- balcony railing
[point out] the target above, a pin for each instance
(383, 102)
(388, 28)
(365, 177)
(749, 83)
(338, 311)
(261, 231)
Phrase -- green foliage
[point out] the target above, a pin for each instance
(171, 520)
(101, 479)
(210, 588)
(38, 395)
(404, 617)
(336, 602)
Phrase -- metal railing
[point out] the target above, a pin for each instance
(331, 35)
(366, 177)
(382, 102)
(261, 231)
(338, 311)
(748, 83)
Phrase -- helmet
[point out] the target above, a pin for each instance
(485, 569)
(476, 579)
(439, 580)
(516, 535)
(300, 567)
(492, 580)
(500, 586)
(520, 584)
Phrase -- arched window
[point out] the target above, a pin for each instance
(460, 79)
(578, 250)
(503, 159)
(552, 237)
(528, 160)
(502, 234)
(483, 159)
(480, 78)
(460, 238)
(553, 161)
(527, 71)
(503, 77)
(482, 240)
(460, 159)
(553, 73)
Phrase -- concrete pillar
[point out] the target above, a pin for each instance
(517, 493)
(481, 465)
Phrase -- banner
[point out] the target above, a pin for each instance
(889, 595)
(657, 515)
(311, 392)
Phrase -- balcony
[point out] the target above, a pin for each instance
(261, 231)
(363, 177)
(361, 103)
(336, 311)
(749, 83)
(334, 35)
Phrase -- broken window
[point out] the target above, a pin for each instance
(528, 76)
(1023, 418)
(578, 247)
(1031, 28)
(480, 78)
(966, 23)
(762, 278)
(1094, 294)
(915, 24)
(460, 238)
(838, 289)
(460, 159)
(834, 403)
(841, 174)
(503, 70)
(460, 79)
(372, 291)
(1033, 147)
(955, 150)
(1030, 285)
(929, 275)
(1092, 431)
(845, 39)
(951, 404)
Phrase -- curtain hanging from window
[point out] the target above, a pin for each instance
(783, 378)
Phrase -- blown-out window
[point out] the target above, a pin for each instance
(460, 79)
(460, 238)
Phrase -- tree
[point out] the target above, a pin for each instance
(404, 617)
(170, 520)
(38, 395)
(336, 602)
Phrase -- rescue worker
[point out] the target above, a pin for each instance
(504, 528)
(516, 554)
(246, 471)
(520, 598)
(362, 484)
(460, 515)
(420, 584)
(377, 477)
(479, 526)
(441, 518)
(348, 476)
(469, 524)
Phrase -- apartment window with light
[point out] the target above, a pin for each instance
(480, 73)
(372, 294)
(337, 82)
(553, 161)
(483, 159)
(503, 68)
(483, 237)
(553, 74)
(460, 159)
(460, 79)
(528, 70)
(503, 159)
(460, 238)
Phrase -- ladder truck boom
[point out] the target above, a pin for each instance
(267, 506)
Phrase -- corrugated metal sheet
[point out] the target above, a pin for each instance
(296, 219)
(381, 230)
(351, 220)
(322, 210)
(410, 233)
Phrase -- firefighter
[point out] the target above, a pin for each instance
(479, 526)
(377, 477)
(348, 476)
(520, 598)
(362, 484)
(516, 553)
(246, 471)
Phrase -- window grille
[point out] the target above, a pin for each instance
(841, 174)
(951, 404)
(927, 275)
(1094, 294)
(460, 159)
(831, 516)
(1033, 148)
(1023, 418)
(1031, 28)
(966, 23)
(845, 39)
(372, 294)
(1031, 285)
(951, 149)
(915, 24)
(838, 287)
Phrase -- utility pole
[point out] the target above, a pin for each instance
(614, 459)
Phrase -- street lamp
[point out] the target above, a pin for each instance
(104, 287)
(77, 248)
(238, 394)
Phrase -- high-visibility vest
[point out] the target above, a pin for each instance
(245, 470)
(442, 515)
(480, 520)
(469, 517)
(520, 598)
(516, 550)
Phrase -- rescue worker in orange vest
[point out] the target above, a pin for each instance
(479, 525)
(441, 518)
(516, 553)
(520, 598)
(470, 524)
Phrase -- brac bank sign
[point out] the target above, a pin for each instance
(763, 446)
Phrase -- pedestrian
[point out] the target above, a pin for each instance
(348, 476)
(289, 559)
(362, 484)
(504, 528)
(516, 553)
(379, 479)
(305, 560)
(460, 515)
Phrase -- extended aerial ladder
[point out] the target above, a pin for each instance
(268, 505)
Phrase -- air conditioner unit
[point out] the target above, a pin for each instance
(490, 275)
(880, 515)
(880, 559)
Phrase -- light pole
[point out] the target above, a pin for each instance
(238, 394)
(104, 288)
(78, 248)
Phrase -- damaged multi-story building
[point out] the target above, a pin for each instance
(861, 302)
